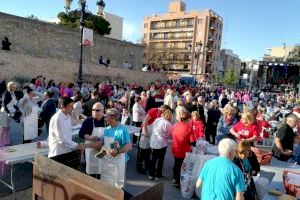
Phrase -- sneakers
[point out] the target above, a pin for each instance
(156, 178)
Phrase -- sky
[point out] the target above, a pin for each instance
(249, 26)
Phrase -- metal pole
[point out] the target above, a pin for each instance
(198, 56)
(251, 77)
(80, 80)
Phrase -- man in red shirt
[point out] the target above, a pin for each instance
(144, 150)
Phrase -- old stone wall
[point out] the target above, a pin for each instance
(46, 40)
(17, 64)
(40, 48)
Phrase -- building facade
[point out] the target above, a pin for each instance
(116, 24)
(278, 54)
(176, 41)
(229, 61)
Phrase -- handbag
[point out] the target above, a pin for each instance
(17, 116)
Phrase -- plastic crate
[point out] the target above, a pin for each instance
(264, 157)
(291, 189)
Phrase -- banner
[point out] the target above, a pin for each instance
(87, 39)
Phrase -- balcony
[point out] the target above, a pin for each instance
(172, 27)
(212, 27)
(211, 39)
(169, 49)
(172, 38)
(213, 17)
(210, 51)
(208, 69)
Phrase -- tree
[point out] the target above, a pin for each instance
(33, 17)
(95, 22)
(217, 77)
(294, 55)
(230, 77)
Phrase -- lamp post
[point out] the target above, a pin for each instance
(197, 52)
(82, 3)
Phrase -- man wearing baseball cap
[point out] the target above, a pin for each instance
(117, 142)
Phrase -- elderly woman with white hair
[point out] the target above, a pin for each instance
(9, 108)
(228, 183)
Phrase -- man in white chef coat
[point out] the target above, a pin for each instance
(60, 129)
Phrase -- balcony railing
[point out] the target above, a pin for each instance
(176, 59)
(211, 39)
(172, 26)
(212, 27)
(169, 48)
(172, 38)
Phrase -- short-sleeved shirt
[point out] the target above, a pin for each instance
(154, 113)
(120, 134)
(88, 126)
(246, 132)
(286, 136)
(221, 183)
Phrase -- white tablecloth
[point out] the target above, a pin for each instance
(21, 153)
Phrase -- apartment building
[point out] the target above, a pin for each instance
(229, 61)
(183, 42)
(278, 54)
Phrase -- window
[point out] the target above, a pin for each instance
(200, 21)
(146, 25)
(144, 55)
(145, 36)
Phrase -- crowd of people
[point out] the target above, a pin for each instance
(168, 114)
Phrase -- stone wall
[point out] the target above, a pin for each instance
(41, 48)
(46, 40)
(17, 64)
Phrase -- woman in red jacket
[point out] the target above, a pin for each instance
(246, 129)
(196, 127)
(181, 142)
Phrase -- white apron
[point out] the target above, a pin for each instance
(113, 168)
(93, 165)
(31, 124)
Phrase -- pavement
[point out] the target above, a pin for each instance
(135, 182)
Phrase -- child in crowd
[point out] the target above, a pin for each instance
(196, 127)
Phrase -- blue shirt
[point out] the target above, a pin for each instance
(221, 179)
(120, 134)
(247, 164)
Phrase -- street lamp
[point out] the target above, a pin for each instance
(82, 3)
(197, 52)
